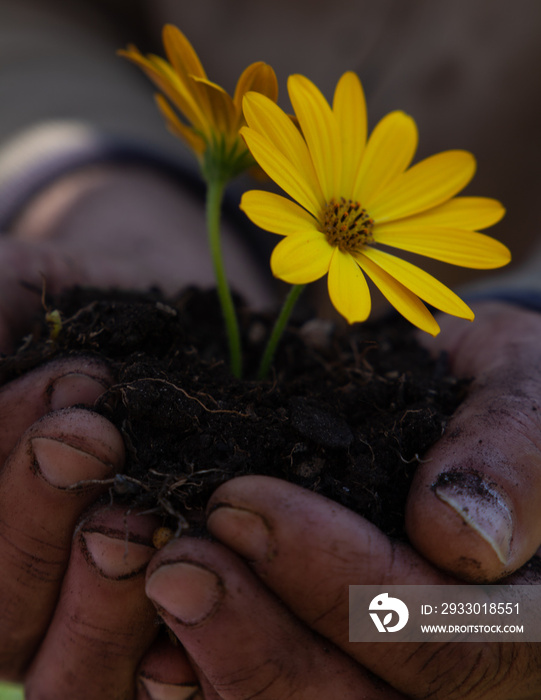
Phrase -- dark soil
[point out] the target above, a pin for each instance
(345, 413)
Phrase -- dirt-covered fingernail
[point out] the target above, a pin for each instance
(75, 388)
(243, 530)
(481, 506)
(167, 691)
(188, 591)
(63, 465)
(114, 555)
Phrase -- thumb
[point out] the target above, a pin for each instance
(473, 508)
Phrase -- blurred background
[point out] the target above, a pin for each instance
(468, 71)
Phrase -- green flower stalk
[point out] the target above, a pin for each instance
(210, 125)
(278, 330)
(215, 191)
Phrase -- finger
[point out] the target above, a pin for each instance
(165, 673)
(103, 622)
(240, 636)
(275, 525)
(38, 513)
(479, 488)
(309, 550)
(58, 384)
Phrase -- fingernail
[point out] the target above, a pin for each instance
(75, 388)
(243, 530)
(189, 592)
(481, 506)
(63, 465)
(165, 691)
(115, 556)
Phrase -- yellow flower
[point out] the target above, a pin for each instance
(212, 118)
(353, 196)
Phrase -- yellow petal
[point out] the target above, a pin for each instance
(182, 94)
(468, 213)
(181, 53)
(388, 153)
(349, 107)
(454, 246)
(182, 131)
(218, 106)
(348, 289)
(274, 213)
(281, 170)
(420, 283)
(425, 185)
(258, 77)
(404, 301)
(268, 120)
(303, 258)
(320, 129)
(165, 78)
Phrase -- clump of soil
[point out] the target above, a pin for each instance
(346, 413)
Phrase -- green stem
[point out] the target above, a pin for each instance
(215, 193)
(278, 329)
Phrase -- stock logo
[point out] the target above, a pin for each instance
(383, 604)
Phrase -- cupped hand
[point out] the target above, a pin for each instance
(473, 513)
(276, 624)
(74, 618)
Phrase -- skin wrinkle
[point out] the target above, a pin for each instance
(236, 680)
(49, 545)
(533, 663)
(30, 564)
(331, 552)
(337, 606)
(336, 552)
(435, 686)
(419, 649)
(521, 419)
(501, 406)
(448, 681)
(402, 565)
(263, 690)
(477, 675)
(508, 658)
(485, 663)
(495, 670)
(482, 675)
(392, 560)
(106, 645)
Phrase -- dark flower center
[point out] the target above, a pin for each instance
(347, 225)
